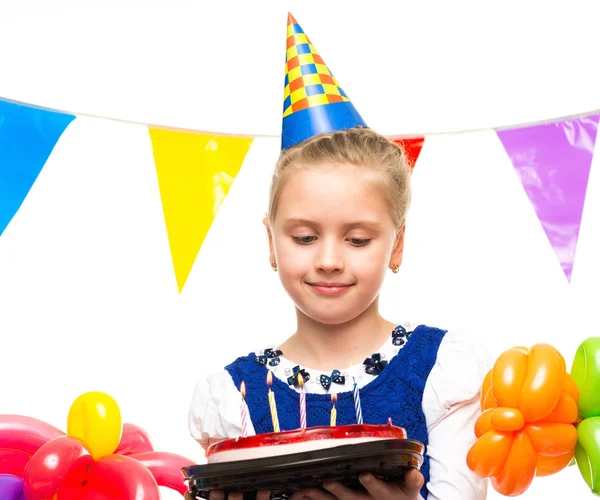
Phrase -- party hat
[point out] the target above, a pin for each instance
(313, 102)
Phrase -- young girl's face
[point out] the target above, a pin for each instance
(333, 240)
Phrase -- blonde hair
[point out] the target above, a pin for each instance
(360, 147)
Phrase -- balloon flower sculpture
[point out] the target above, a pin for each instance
(99, 458)
(537, 419)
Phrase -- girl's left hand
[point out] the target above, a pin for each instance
(376, 490)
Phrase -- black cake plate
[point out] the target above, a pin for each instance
(388, 459)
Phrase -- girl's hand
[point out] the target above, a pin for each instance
(376, 489)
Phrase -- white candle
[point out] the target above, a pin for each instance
(302, 402)
(244, 410)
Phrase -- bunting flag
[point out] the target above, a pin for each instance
(27, 137)
(412, 149)
(553, 162)
(195, 173)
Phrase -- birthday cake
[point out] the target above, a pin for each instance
(298, 441)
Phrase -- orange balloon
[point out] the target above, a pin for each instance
(489, 400)
(551, 465)
(484, 423)
(529, 406)
(488, 454)
(507, 419)
(508, 374)
(565, 411)
(519, 468)
(487, 383)
(543, 384)
(551, 439)
(570, 387)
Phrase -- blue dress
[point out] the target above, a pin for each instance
(396, 393)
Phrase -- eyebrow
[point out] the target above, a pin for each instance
(359, 223)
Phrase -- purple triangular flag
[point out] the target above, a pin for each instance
(553, 162)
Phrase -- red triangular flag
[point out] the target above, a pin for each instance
(412, 147)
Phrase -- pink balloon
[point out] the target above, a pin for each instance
(166, 468)
(57, 461)
(134, 439)
(111, 477)
(25, 434)
(13, 462)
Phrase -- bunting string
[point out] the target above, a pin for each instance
(196, 169)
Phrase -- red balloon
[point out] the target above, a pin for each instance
(134, 439)
(57, 461)
(13, 462)
(25, 434)
(114, 476)
(166, 468)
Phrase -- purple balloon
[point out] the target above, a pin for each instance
(11, 487)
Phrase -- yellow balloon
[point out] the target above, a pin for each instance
(95, 420)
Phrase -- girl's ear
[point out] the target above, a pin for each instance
(398, 251)
(272, 258)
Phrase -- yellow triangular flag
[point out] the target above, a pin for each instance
(195, 172)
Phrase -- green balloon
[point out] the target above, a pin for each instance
(587, 452)
(586, 373)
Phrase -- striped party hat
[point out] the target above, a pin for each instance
(313, 102)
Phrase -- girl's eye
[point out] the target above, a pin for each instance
(304, 240)
(359, 242)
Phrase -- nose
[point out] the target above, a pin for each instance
(329, 258)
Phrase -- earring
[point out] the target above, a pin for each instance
(395, 268)
(274, 266)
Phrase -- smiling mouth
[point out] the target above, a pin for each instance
(323, 288)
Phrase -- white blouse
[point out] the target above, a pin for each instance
(450, 404)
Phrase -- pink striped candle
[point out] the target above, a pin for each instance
(244, 410)
(302, 402)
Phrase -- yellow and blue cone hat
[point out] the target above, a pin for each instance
(313, 102)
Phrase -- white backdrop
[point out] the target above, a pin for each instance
(87, 289)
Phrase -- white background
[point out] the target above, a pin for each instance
(88, 298)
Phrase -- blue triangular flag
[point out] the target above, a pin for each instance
(27, 137)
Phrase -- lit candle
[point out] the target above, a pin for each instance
(272, 404)
(333, 410)
(357, 408)
(244, 410)
(302, 402)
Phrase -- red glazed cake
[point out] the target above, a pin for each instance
(298, 441)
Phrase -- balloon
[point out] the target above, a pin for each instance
(526, 427)
(133, 440)
(11, 487)
(13, 462)
(544, 382)
(586, 373)
(487, 383)
(547, 466)
(166, 468)
(587, 452)
(488, 454)
(49, 467)
(25, 434)
(114, 476)
(95, 419)
(508, 376)
(519, 468)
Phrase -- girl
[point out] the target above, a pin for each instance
(335, 225)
